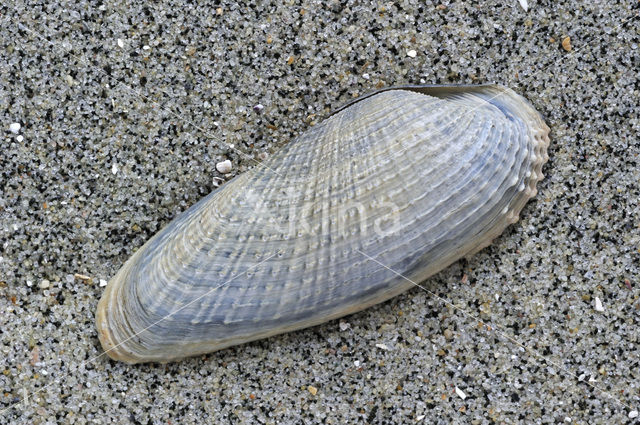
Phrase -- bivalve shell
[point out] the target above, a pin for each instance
(394, 186)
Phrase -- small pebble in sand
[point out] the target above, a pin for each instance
(412, 53)
(627, 283)
(103, 283)
(20, 138)
(344, 326)
(14, 127)
(566, 44)
(224, 167)
(382, 346)
(258, 108)
(44, 284)
(633, 414)
(448, 334)
(599, 306)
(120, 43)
(313, 390)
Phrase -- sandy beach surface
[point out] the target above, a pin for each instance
(114, 114)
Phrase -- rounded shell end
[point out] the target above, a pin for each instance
(115, 350)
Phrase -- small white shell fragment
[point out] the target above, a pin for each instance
(82, 277)
(382, 346)
(120, 43)
(258, 108)
(524, 4)
(14, 127)
(114, 169)
(356, 363)
(365, 76)
(599, 306)
(419, 418)
(224, 167)
(44, 284)
(633, 414)
(29, 283)
(581, 377)
(460, 393)
(344, 326)
(20, 138)
(103, 283)
(412, 53)
(145, 47)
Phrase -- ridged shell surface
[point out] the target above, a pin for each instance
(414, 178)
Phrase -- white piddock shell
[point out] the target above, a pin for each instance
(414, 177)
